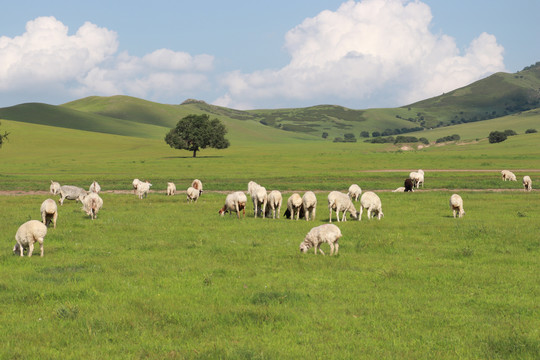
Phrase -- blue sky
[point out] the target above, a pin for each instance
(252, 55)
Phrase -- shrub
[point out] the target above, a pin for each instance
(375, 134)
(530, 131)
(510, 132)
(424, 141)
(324, 135)
(496, 137)
(454, 137)
(350, 138)
(405, 139)
(364, 134)
(338, 139)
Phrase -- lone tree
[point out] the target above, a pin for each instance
(3, 137)
(496, 137)
(196, 132)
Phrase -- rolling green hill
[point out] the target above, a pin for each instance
(500, 96)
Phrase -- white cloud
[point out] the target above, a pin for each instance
(363, 51)
(86, 63)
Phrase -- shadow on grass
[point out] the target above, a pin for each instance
(191, 157)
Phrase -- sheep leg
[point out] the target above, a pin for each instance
(336, 247)
(330, 214)
(331, 248)
(40, 240)
(319, 247)
(21, 250)
(344, 218)
(313, 213)
(360, 215)
(264, 210)
(55, 216)
(337, 214)
(30, 249)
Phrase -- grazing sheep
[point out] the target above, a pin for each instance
(252, 191)
(71, 193)
(142, 189)
(49, 212)
(456, 204)
(274, 204)
(417, 178)
(135, 183)
(197, 184)
(94, 187)
(294, 205)
(235, 202)
(508, 175)
(408, 185)
(260, 200)
(171, 189)
(192, 194)
(527, 183)
(338, 201)
(354, 192)
(27, 234)
(309, 204)
(54, 188)
(372, 203)
(327, 233)
(92, 203)
(401, 189)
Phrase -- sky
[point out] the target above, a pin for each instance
(247, 54)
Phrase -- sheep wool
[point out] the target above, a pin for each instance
(309, 204)
(338, 201)
(456, 204)
(372, 203)
(49, 212)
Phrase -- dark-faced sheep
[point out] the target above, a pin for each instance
(408, 184)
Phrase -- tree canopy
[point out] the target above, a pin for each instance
(3, 137)
(196, 132)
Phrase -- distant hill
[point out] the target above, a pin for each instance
(496, 96)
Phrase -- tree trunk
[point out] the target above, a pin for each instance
(194, 153)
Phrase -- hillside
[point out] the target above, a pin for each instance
(495, 97)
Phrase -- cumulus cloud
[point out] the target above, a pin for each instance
(87, 62)
(363, 51)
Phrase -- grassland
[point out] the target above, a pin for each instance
(160, 278)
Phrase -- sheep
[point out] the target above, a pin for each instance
(171, 189)
(309, 204)
(197, 184)
(260, 200)
(354, 192)
(327, 233)
(92, 203)
(94, 187)
(408, 185)
(294, 204)
(456, 204)
(27, 234)
(338, 201)
(135, 183)
(401, 189)
(49, 212)
(274, 204)
(54, 188)
(252, 191)
(192, 194)
(508, 175)
(417, 178)
(235, 202)
(527, 183)
(142, 189)
(372, 203)
(71, 193)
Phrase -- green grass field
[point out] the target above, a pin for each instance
(159, 278)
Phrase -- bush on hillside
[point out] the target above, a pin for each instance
(424, 141)
(454, 137)
(510, 132)
(364, 134)
(349, 138)
(324, 135)
(405, 139)
(530, 131)
(496, 137)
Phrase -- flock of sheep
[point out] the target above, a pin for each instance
(264, 205)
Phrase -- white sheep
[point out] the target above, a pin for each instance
(49, 212)
(274, 203)
(197, 184)
(27, 234)
(508, 175)
(456, 204)
(294, 204)
(309, 203)
(338, 201)
(171, 189)
(399, 189)
(192, 194)
(354, 192)
(527, 183)
(94, 187)
(327, 233)
(372, 203)
(252, 191)
(234, 202)
(142, 189)
(135, 183)
(260, 200)
(70, 192)
(417, 178)
(92, 203)
(54, 188)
